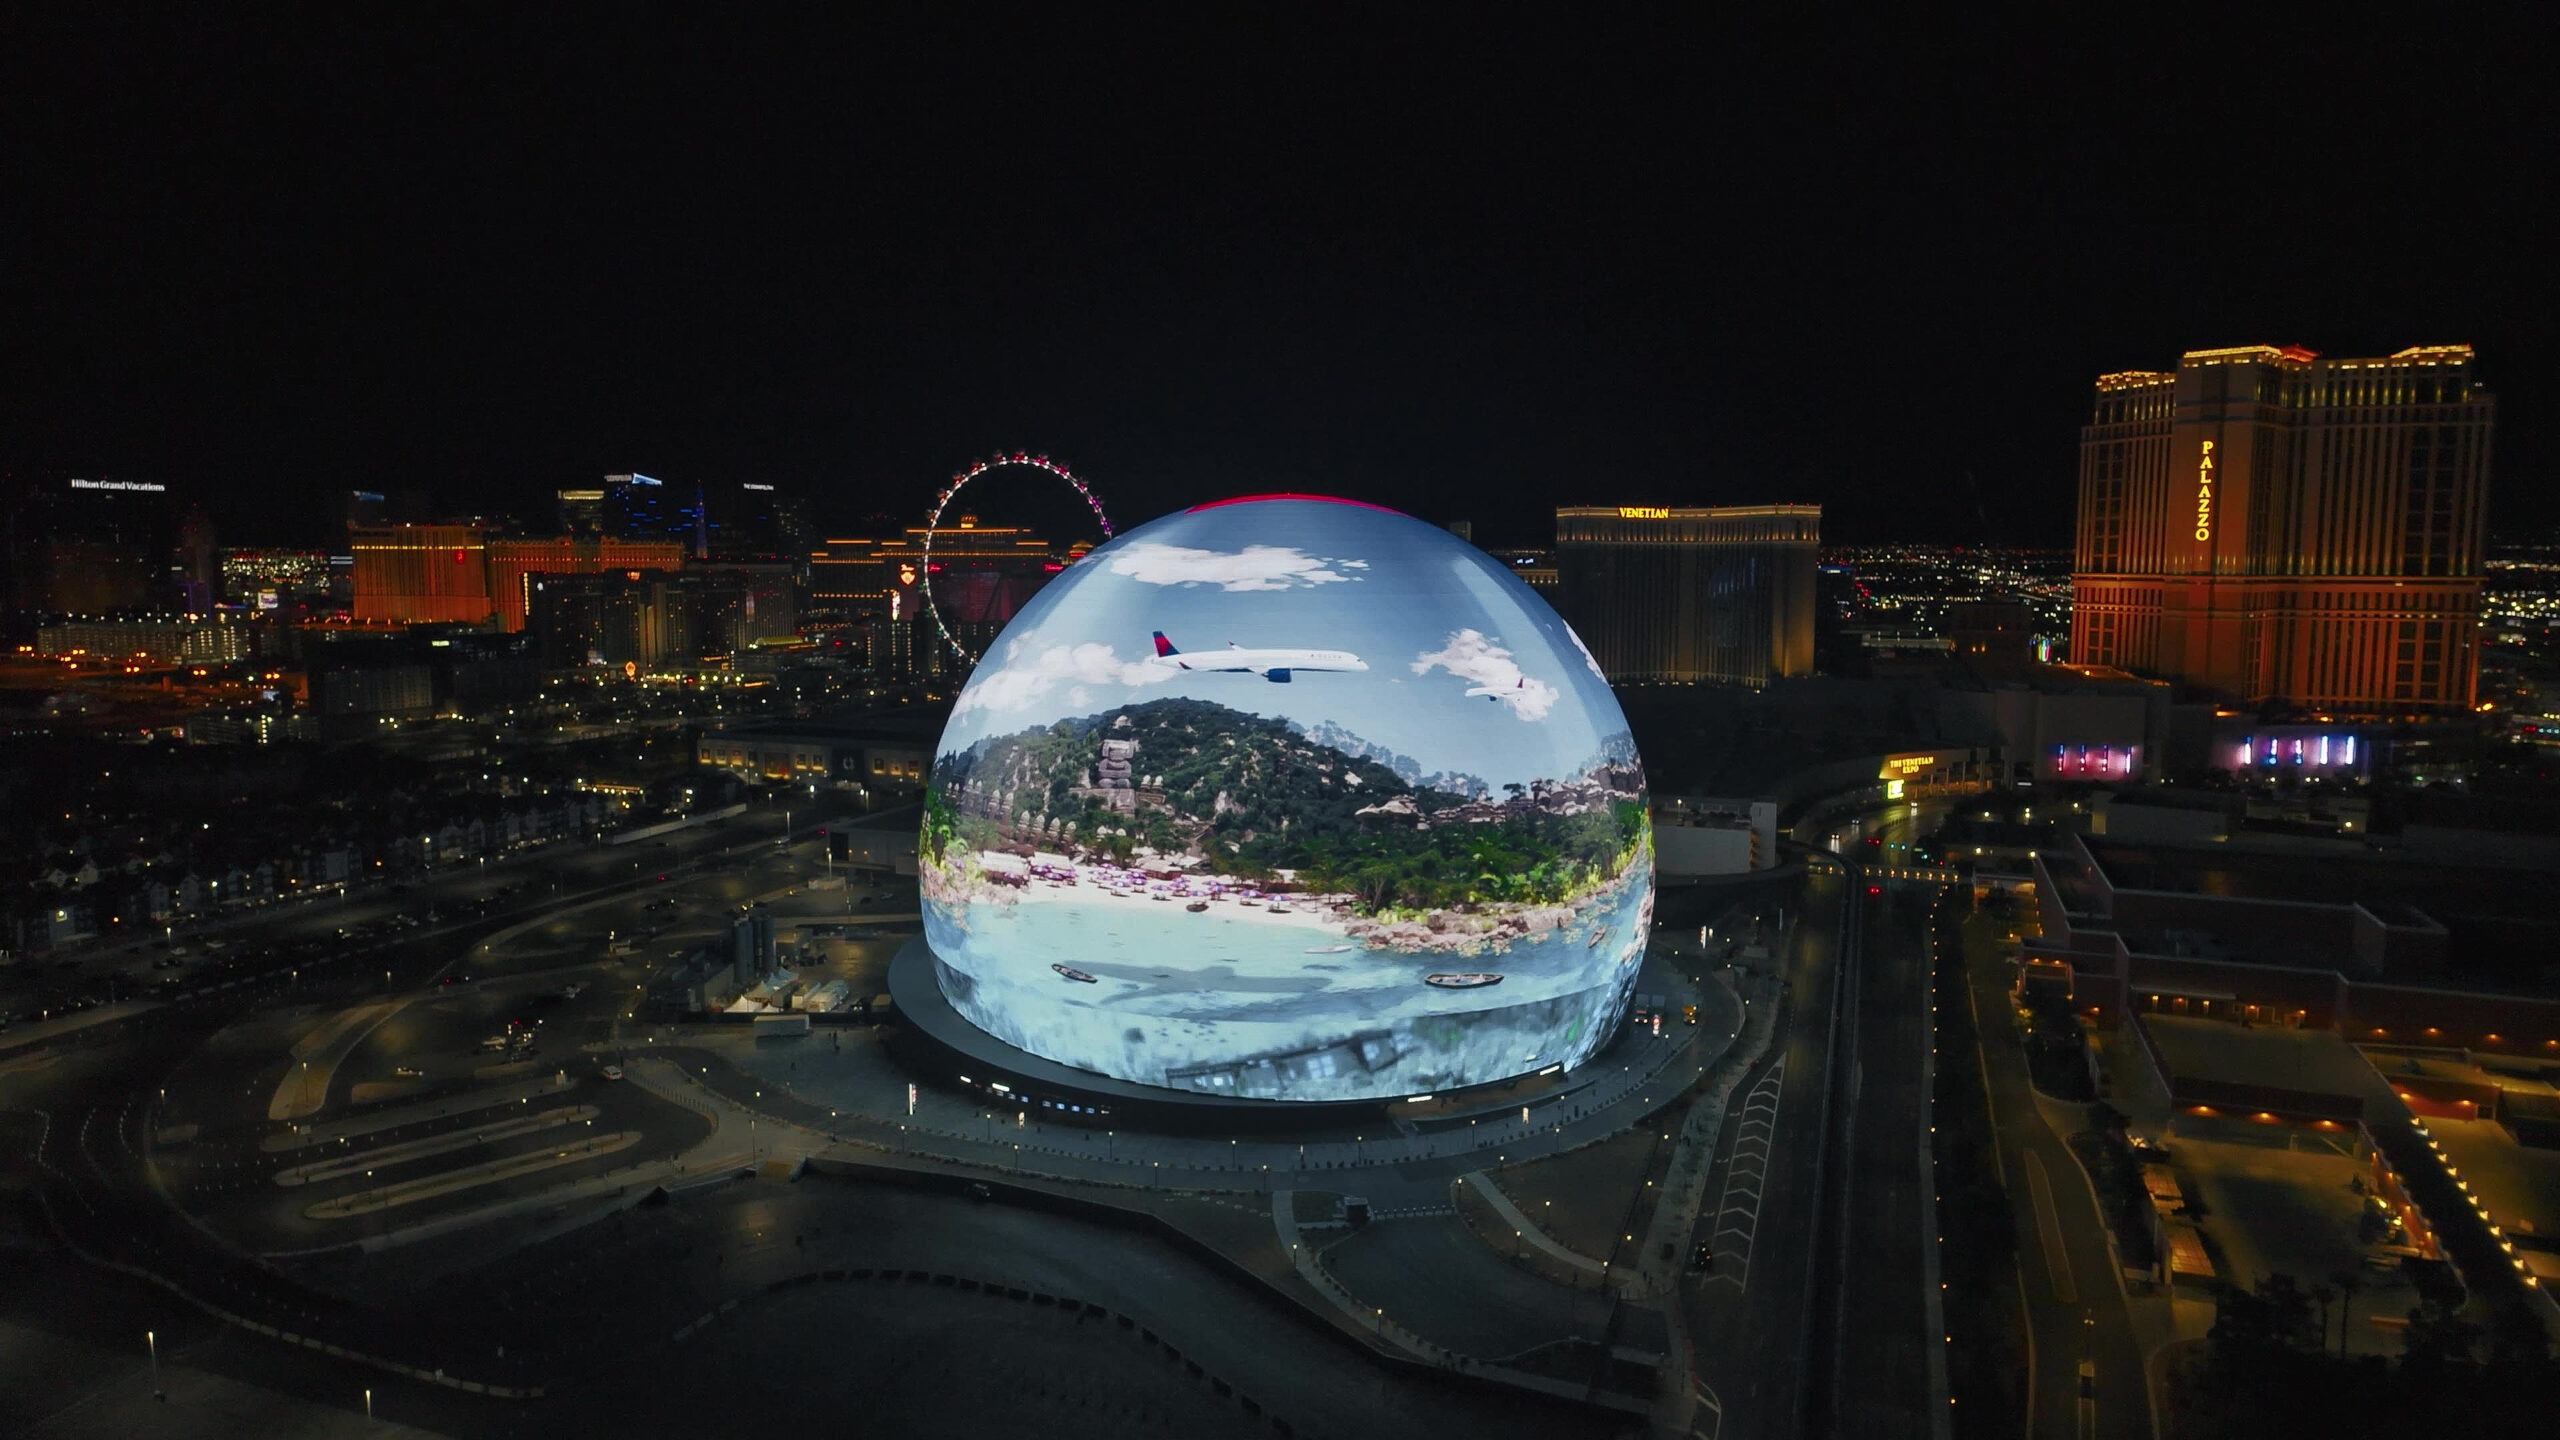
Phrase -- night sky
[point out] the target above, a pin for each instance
(1458, 262)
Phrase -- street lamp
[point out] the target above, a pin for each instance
(151, 1342)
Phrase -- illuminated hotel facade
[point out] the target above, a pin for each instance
(462, 575)
(982, 573)
(420, 574)
(514, 563)
(1686, 595)
(2272, 527)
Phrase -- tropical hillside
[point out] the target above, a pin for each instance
(1240, 794)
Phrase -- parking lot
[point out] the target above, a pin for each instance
(2283, 1199)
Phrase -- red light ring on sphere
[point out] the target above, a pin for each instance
(1287, 495)
(933, 526)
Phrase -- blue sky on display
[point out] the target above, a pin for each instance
(1429, 615)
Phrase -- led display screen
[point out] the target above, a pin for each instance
(1290, 799)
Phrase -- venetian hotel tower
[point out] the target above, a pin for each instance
(2271, 527)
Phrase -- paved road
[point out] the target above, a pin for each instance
(1746, 1318)
(1801, 1294)
(1884, 1342)
(352, 926)
(212, 1107)
(94, 1107)
(1435, 1277)
(2075, 1303)
(909, 1359)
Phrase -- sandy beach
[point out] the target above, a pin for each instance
(1487, 931)
(1105, 888)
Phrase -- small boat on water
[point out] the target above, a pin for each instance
(1329, 950)
(1073, 973)
(1596, 939)
(1196, 906)
(1463, 980)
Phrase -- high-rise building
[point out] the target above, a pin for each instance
(462, 574)
(514, 563)
(755, 521)
(1536, 568)
(420, 574)
(581, 510)
(195, 565)
(633, 508)
(153, 639)
(2268, 526)
(370, 508)
(982, 573)
(1719, 595)
(623, 507)
(650, 617)
(354, 699)
(84, 546)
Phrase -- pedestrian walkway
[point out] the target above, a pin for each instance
(1537, 1238)
(331, 1132)
(1737, 1223)
(1675, 1215)
(493, 1172)
(733, 1126)
(385, 1156)
(314, 1060)
(851, 1096)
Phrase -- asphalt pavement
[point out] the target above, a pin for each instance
(1745, 1317)
(185, 1106)
(2074, 1290)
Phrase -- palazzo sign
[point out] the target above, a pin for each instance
(2204, 493)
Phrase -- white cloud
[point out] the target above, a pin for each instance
(1028, 675)
(1255, 567)
(1596, 672)
(1473, 657)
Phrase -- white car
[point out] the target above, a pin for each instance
(613, 1072)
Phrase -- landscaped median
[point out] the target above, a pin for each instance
(1586, 1200)
(1506, 1229)
(2132, 1220)
(1986, 1321)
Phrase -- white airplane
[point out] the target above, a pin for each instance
(1495, 693)
(1273, 665)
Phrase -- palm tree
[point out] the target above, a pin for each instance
(2348, 1284)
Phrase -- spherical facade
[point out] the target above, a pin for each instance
(1292, 799)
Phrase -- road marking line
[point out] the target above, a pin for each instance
(2057, 1261)
(1747, 1174)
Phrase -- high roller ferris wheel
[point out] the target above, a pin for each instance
(933, 528)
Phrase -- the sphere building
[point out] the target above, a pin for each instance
(1289, 798)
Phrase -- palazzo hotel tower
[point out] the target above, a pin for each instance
(2271, 527)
